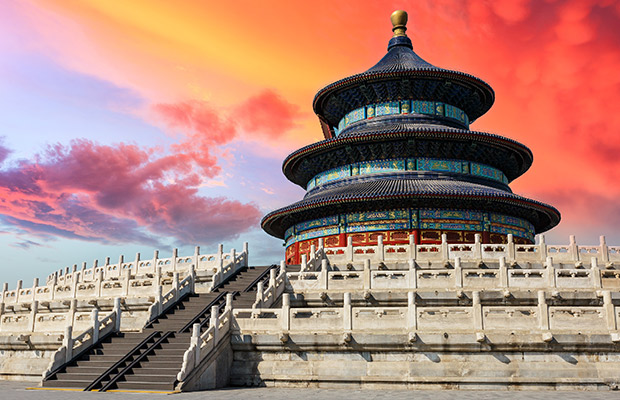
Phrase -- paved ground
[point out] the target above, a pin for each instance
(18, 391)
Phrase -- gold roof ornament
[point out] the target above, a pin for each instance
(399, 22)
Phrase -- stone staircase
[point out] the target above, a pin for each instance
(151, 359)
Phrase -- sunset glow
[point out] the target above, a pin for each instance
(129, 126)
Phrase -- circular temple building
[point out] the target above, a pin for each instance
(399, 159)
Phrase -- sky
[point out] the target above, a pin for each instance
(127, 127)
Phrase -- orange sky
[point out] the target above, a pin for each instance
(212, 76)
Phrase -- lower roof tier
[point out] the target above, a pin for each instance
(392, 139)
(395, 193)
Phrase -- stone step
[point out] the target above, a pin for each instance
(159, 371)
(160, 363)
(85, 377)
(66, 384)
(152, 386)
(137, 376)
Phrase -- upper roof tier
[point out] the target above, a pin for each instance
(402, 75)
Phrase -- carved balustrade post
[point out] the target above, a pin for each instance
(229, 302)
(175, 256)
(214, 323)
(478, 246)
(94, 317)
(458, 273)
(127, 283)
(380, 248)
(312, 260)
(68, 343)
(121, 260)
(412, 316)
(595, 274)
(286, 312)
(445, 251)
(74, 283)
(53, 286)
(412, 247)
(610, 314)
(543, 311)
(71, 312)
(324, 274)
(93, 269)
(17, 290)
(259, 295)
(35, 285)
(551, 273)
(99, 282)
(33, 315)
(220, 252)
(272, 281)
(503, 272)
(117, 314)
(603, 249)
(366, 275)
(510, 248)
(349, 250)
(105, 267)
(573, 248)
(192, 274)
(175, 285)
(195, 342)
(477, 311)
(347, 312)
(196, 257)
(246, 254)
(542, 247)
(82, 273)
(136, 264)
(304, 264)
(157, 283)
(413, 275)
(160, 300)
(154, 263)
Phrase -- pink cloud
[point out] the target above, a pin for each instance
(266, 114)
(116, 194)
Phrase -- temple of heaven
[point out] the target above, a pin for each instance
(399, 159)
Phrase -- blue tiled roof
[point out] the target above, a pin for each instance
(402, 74)
(428, 192)
(395, 131)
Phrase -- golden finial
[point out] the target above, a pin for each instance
(399, 22)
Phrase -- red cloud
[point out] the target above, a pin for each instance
(266, 114)
(116, 194)
(129, 193)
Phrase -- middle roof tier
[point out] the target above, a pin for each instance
(393, 139)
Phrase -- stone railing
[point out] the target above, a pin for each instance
(454, 276)
(52, 307)
(73, 346)
(109, 282)
(202, 345)
(233, 264)
(477, 319)
(176, 263)
(265, 297)
(316, 256)
(179, 289)
(475, 251)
